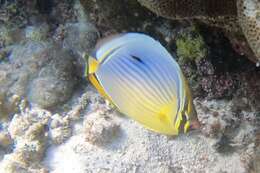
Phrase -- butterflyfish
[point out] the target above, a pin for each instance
(142, 79)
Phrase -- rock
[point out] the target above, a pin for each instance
(256, 161)
(9, 105)
(116, 16)
(48, 92)
(37, 33)
(80, 37)
(55, 81)
(9, 36)
(5, 140)
(232, 129)
(16, 74)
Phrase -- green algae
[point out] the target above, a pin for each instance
(190, 46)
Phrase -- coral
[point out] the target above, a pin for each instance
(190, 9)
(218, 86)
(14, 14)
(61, 11)
(190, 46)
(249, 20)
(59, 129)
(12, 164)
(41, 64)
(37, 33)
(250, 88)
(114, 15)
(240, 45)
(224, 14)
(9, 35)
(220, 120)
(28, 124)
(137, 149)
(100, 130)
(28, 130)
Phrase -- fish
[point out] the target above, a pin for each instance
(142, 80)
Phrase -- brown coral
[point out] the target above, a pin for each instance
(190, 8)
(225, 14)
(249, 20)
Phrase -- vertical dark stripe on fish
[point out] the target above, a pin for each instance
(146, 76)
(118, 72)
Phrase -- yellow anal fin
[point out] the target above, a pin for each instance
(99, 88)
(165, 113)
(93, 65)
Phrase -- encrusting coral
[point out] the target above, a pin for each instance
(249, 20)
(228, 15)
(191, 9)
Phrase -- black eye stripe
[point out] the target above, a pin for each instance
(137, 59)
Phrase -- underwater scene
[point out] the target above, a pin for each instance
(129, 86)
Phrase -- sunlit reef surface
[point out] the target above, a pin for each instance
(53, 120)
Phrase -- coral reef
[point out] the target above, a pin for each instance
(190, 46)
(29, 133)
(138, 149)
(191, 9)
(52, 119)
(248, 17)
(80, 37)
(224, 14)
(115, 16)
(100, 130)
(59, 129)
(37, 33)
(41, 69)
(37, 64)
(55, 81)
(5, 140)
